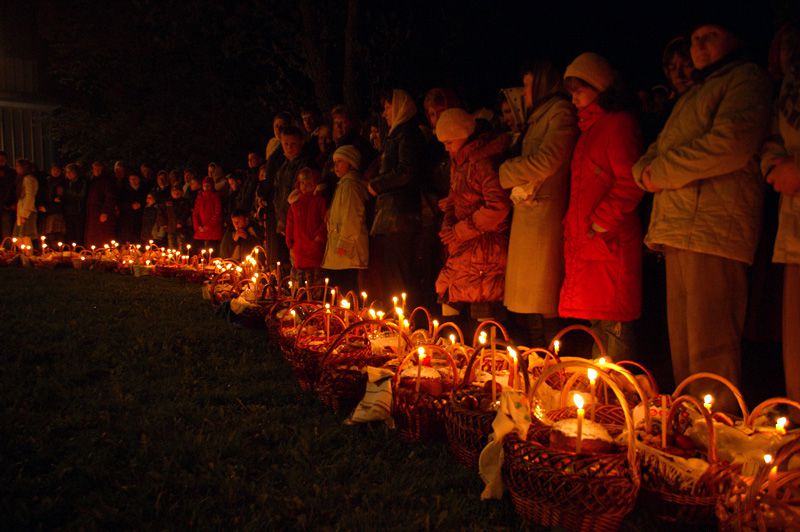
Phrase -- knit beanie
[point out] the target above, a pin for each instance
(350, 154)
(454, 124)
(593, 69)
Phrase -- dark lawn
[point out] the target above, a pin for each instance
(125, 403)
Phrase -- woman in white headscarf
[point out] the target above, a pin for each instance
(396, 187)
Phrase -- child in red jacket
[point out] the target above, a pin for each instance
(306, 227)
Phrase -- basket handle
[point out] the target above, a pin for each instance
(314, 315)
(578, 327)
(712, 432)
(415, 355)
(608, 381)
(442, 326)
(650, 378)
(477, 354)
(713, 376)
(365, 324)
(648, 423)
(769, 402)
(482, 325)
(429, 319)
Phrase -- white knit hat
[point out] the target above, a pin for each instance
(454, 124)
(350, 154)
(593, 69)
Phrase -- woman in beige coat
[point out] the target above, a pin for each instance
(539, 181)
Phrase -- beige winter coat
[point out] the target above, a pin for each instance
(784, 141)
(348, 242)
(26, 204)
(535, 251)
(705, 160)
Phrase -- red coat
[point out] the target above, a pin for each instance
(207, 213)
(476, 209)
(603, 270)
(306, 229)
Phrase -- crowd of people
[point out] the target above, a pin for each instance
(531, 213)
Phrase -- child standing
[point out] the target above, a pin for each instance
(151, 221)
(178, 213)
(347, 250)
(306, 230)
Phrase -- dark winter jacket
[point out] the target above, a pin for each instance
(101, 198)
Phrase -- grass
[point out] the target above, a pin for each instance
(125, 403)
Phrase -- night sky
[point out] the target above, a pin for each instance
(161, 80)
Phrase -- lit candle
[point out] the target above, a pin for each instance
(333, 296)
(452, 343)
(435, 327)
(492, 346)
(364, 297)
(373, 314)
(403, 296)
(578, 399)
(210, 252)
(780, 425)
(308, 292)
(663, 421)
(294, 317)
(327, 322)
(420, 357)
(772, 481)
(513, 355)
(399, 312)
(325, 292)
(381, 314)
(556, 346)
(707, 400)
(277, 272)
(592, 374)
(345, 304)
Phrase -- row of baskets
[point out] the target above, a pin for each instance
(505, 410)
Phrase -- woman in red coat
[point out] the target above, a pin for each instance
(207, 215)
(475, 225)
(602, 232)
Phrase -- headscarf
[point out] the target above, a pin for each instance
(403, 108)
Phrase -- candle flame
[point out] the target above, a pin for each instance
(345, 304)
(781, 422)
(381, 314)
(768, 459)
(482, 339)
(372, 313)
(453, 339)
(592, 374)
(578, 400)
(421, 352)
(364, 295)
(512, 353)
(708, 399)
(602, 361)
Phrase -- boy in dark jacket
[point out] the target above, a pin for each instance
(178, 214)
(240, 238)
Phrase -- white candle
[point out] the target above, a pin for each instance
(780, 425)
(420, 357)
(772, 481)
(708, 399)
(592, 374)
(578, 399)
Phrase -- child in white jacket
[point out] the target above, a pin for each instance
(26, 200)
(347, 250)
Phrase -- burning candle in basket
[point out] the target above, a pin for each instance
(345, 304)
(578, 400)
(420, 361)
(708, 399)
(403, 296)
(780, 425)
(333, 296)
(556, 347)
(277, 272)
(325, 292)
(513, 354)
(592, 374)
(772, 482)
(294, 317)
(327, 322)
(399, 312)
(364, 298)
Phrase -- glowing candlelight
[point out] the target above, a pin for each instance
(381, 314)
(780, 425)
(772, 482)
(373, 314)
(333, 296)
(592, 374)
(294, 317)
(325, 292)
(492, 346)
(556, 346)
(708, 399)
(277, 272)
(364, 297)
(403, 296)
(420, 357)
(513, 354)
(578, 399)
(308, 293)
(327, 322)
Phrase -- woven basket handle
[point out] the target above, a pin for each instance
(477, 354)
(429, 350)
(769, 402)
(650, 378)
(577, 327)
(428, 318)
(437, 333)
(608, 366)
(364, 325)
(313, 316)
(608, 381)
(712, 433)
(714, 377)
(487, 323)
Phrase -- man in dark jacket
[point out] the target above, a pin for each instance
(74, 200)
(396, 187)
(101, 201)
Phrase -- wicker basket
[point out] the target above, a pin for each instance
(315, 335)
(419, 411)
(343, 379)
(469, 413)
(565, 489)
(668, 492)
(290, 323)
(767, 501)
